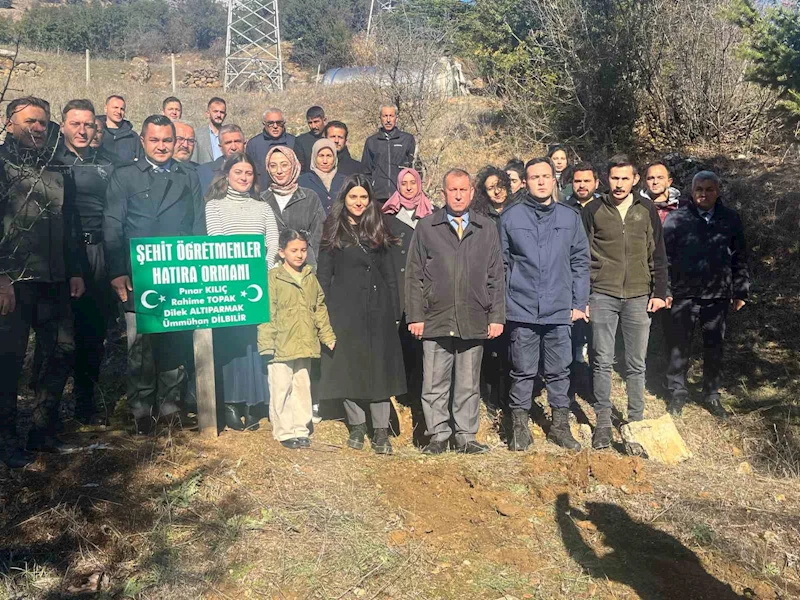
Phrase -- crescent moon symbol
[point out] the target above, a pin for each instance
(259, 292)
(145, 303)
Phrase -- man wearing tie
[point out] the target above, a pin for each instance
(153, 197)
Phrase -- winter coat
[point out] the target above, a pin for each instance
(402, 230)
(304, 212)
(298, 317)
(347, 165)
(672, 203)
(39, 224)
(141, 203)
(456, 287)
(361, 293)
(628, 259)
(546, 259)
(573, 202)
(90, 175)
(123, 141)
(303, 145)
(706, 260)
(312, 182)
(385, 155)
(257, 148)
(494, 215)
(208, 171)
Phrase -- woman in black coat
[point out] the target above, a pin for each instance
(324, 177)
(403, 211)
(357, 274)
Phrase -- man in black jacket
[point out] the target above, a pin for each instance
(89, 170)
(708, 273)
(386, 153)
(455, 299)
(273, 134)
(156, 196)
(40, 269)
(118, 134)
(336, 131)
(304, 143)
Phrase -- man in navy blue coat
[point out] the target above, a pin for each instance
(546, 257)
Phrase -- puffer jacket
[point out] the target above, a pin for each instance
(304, 212)
(298, 317)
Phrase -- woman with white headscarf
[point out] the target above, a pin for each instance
(324, 177)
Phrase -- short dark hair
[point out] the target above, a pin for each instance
(657, 163)
(458, 173)
(585, 166)
(216, 100)
(169, 99)
(158, 121)
(112, 96)
(620, 161)
(315, 112)
(77, 104)
(20, 103)
(516, 165)
(290, 235)
(338, 125)
(538, 161)
(552, 149)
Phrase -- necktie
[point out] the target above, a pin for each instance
(706, 216)
(459, 227)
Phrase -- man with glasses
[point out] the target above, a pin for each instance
(207, 147)
(273, 134)
(184, 143)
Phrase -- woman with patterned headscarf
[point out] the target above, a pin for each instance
(324, 178)
(295, 207)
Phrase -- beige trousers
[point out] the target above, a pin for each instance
(290, 398)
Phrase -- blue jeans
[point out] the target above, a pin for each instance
(555, 343)
(606, 312)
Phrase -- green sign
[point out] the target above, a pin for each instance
(199, 282)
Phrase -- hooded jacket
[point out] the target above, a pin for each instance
(673, 202)
(546, 260)
(385, 154)
(259, 146)
(298, 317)
(39, 225)
(706, 260)
(123, 141)
(628, 258)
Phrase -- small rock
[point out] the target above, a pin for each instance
(506, 509)
(744, 468)
(659, 439)
(398, 537)
(780, 498)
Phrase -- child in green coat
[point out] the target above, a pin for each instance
(298, 323)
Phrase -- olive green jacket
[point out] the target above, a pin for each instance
(298, 317)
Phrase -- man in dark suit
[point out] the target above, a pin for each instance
(156, 196)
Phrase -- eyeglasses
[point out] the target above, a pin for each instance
(274, 123)
(182, 140)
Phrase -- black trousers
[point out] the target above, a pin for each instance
(685, 313)
(45, 307)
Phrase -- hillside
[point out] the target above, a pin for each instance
(240, 517)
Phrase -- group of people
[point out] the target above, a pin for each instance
(374, 293)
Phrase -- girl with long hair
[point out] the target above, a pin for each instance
(233, 208)
(357, 274)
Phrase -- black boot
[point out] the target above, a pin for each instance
(715, 407)
(233, 416)
(601, 438)
(381, 443)
(357, 435)
(520, 434)
(675, 406)
(559, 431)
(251, 418)
(16, 458)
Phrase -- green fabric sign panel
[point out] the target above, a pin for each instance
(199, 282)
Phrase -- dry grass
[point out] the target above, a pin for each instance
(241, 517)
